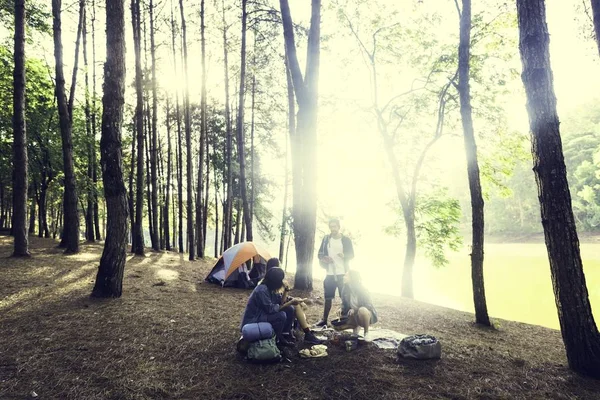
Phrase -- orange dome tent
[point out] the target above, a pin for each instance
(229, 266)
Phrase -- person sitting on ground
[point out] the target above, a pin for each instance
(356, 304)
(265, 304)
(258, 270)
(299, 311)
(273, 263)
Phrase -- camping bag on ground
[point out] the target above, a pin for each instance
(263, 351)
(257, 331)
(242, 346)
(341, 324)
(421, 347)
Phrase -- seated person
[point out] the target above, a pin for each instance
(272, 263)
(266, 304)
(258, 270)
(356, 304)
(309, 336)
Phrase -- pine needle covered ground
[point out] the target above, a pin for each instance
(171, 336)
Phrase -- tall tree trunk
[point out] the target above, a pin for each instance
(216, 252)
(167, 226)
(131, 193)
(175, 238)
(94, 129)
(188, 141)
(178, 149)
(76, 60)
(21, 243)
(138, 233)
(238, 220)
(201, 208)
(304, 144)
(147, 135)
(2, 209)
(89, 217)
(109, 280)
(40, 221)
(206, 195)
(70, 239)
(579, 331)
(243, 228)
(148, 178)
(154, 135)
(43, 208)
(464, 48)
(241, 142)
(179, 145)
(292, 133)
(228, 215)
(32, 215)
(252, 154)
(161, 193)
(411, 252)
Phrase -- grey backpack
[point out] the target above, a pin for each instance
(421, 347)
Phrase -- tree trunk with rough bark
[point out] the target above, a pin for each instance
(304, 142)
(188, 141)
(138, 232)
(291, 133)
(131, 192)
(89, 216)
(70, 239)
(76, 60)
(579, 332)
(109, 280)
(94, 128)
(477, 204)
(32, 214)
(154, 136)
(241, 142)
(19, 225)
(228, 213)
(216, 185)
(252, 125)
(178, 149)
(148, 178)
(201, 198)
(167, 227)
(238, 219)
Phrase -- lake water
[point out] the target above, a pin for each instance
(517, 280)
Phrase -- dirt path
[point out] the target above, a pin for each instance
(172, 336)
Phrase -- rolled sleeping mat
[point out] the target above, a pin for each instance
(257, 331)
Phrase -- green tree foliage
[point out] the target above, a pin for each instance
(513, 205)
(438, 218)
(37, 15)
(581, 146)
(40, 118)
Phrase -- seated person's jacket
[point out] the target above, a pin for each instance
(362, 298)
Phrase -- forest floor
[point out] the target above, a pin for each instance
(172, 336)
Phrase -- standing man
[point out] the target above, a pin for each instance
(335, 254)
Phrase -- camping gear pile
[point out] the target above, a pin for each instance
(420, 347)
(258, 343)
(231, 270)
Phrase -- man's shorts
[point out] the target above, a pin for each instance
(331, 283)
